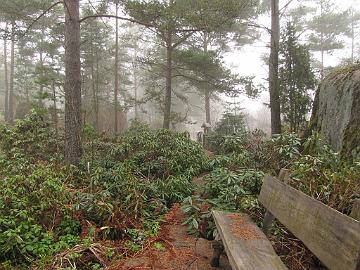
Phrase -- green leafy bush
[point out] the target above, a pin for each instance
(226, 190)
(199, 218)
(288, 145)
(133, 196)
(33, 203)
(155, 154)
(323, 175)
(124, 183)
(247, 150)
(231, 189)
(33, 136)
(142, 173)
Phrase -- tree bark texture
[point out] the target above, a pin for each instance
(12, 71)
(116, 90)
(96, 94)
(206, 90)
(55, 116)
(73, 123)
(135, 85)
(273, 69)
(168, 80)
(6, 81)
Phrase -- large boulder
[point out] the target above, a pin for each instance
(336, 113)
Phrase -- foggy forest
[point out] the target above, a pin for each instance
(180, 134)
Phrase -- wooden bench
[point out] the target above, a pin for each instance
(332, 237)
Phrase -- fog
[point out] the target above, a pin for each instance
(141, 57)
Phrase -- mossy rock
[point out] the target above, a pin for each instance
(336, 113)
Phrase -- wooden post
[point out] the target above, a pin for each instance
(355, 212)
(218, 249)
(206, 127)
(269, 218)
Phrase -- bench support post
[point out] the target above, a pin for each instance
(218, 249)
(355, 213)
(268, 220)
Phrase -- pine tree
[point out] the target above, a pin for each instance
(175, 21)
(327, 29)
(72, 87)
(296, 79)
(213, 44)
(354, 26)
(273, 68)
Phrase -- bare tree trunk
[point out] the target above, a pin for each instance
(56, 120)
(135, 85)
(41, 88)
(273, 69)
(322, 44)
(352, 35)
(93, 89)
(96, 93)
(116, 90)
(41, 62)
(206, 90)
(207, 106)
(292, 114)
(322, 73)
(168, 75)
(6, 75)
(12, 71)
(73, 123)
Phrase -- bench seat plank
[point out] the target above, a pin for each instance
(245, 244)
(333, 237)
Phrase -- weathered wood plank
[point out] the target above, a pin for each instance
(245, 244)
(284, 175)
(333, 237)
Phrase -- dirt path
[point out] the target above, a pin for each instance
(181, 251)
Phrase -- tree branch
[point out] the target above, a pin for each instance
(40, 16)
(283, 9)
(116, 17)
(251, 24)
(182, 40)
(91, 4)
(188, 30)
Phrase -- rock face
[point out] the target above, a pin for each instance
(336, 113)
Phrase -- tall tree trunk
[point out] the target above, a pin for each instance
(292, 98)
(135, 85)
(41, 62)
(352, 35)
(206, 89)
(56, 119)
(207, 106)
(322, 44)
(322, 73)
(6, 109)
(116, 90)
(12, 72)
(273, 69)
(73, 123)
(292, 103)
(168, 81)
(93, 90)
(41, 88)
(96, 94)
